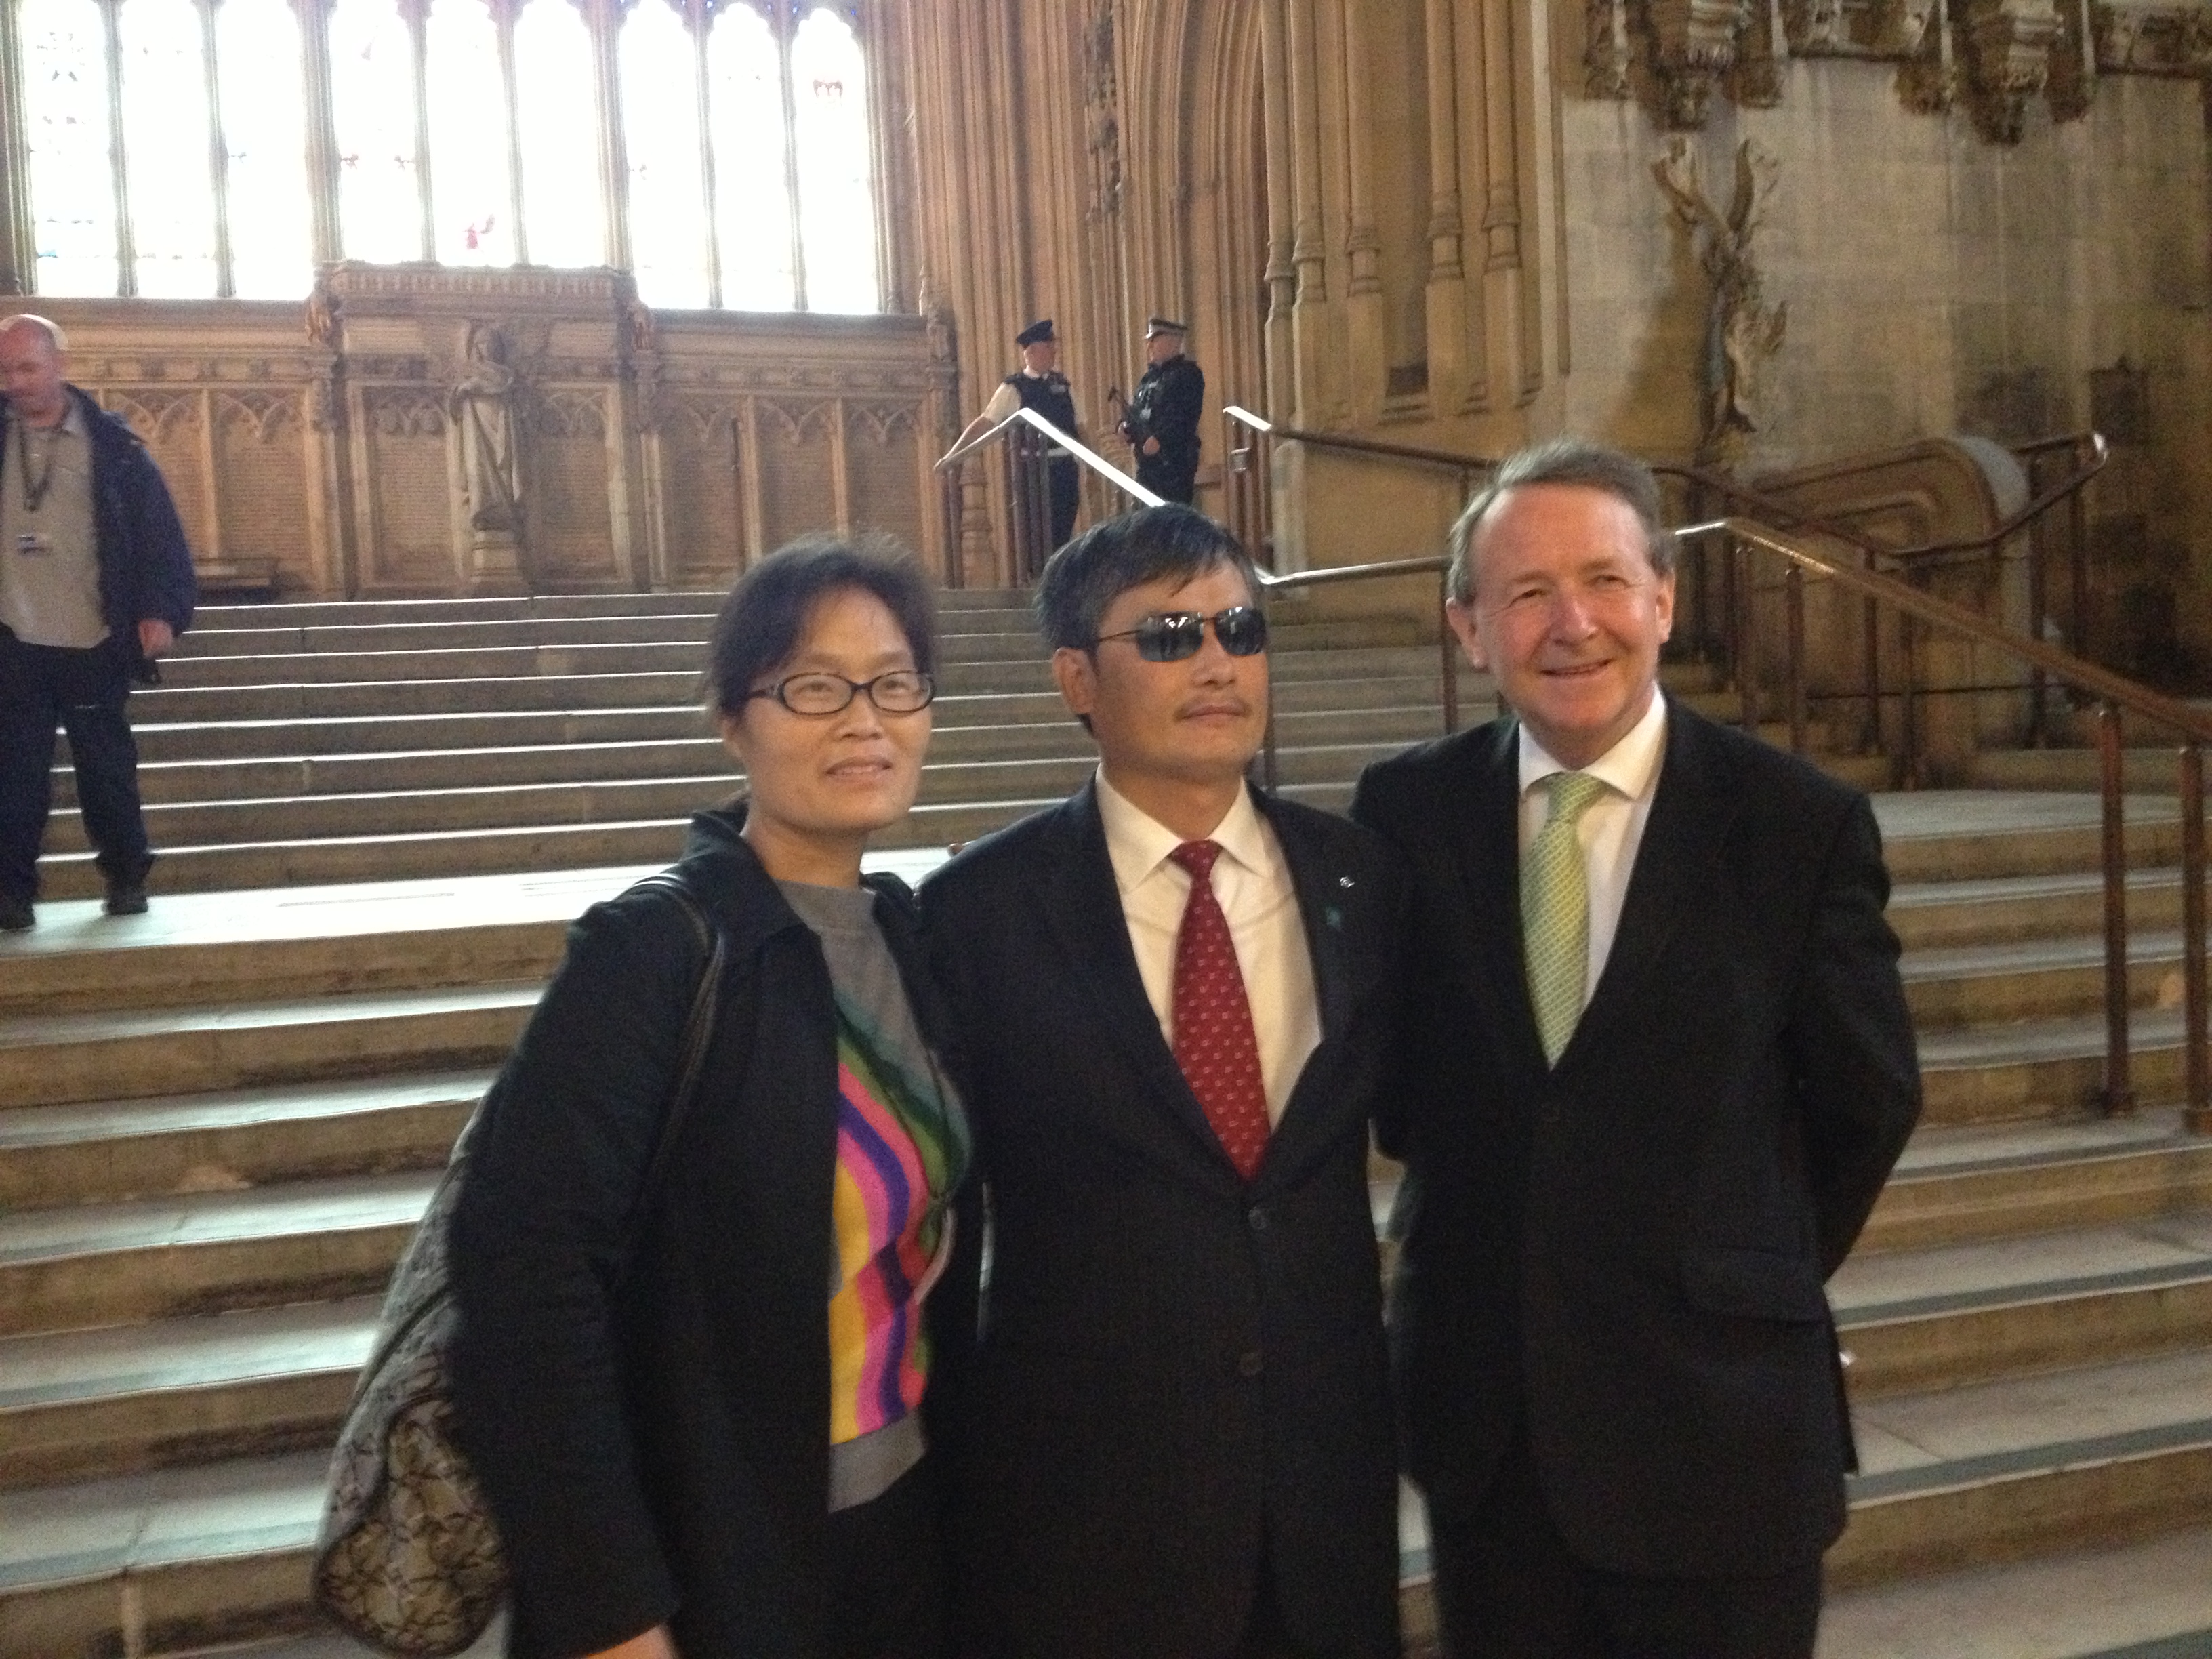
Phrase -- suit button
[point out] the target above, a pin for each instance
(1248, 1365)
(1256, 1219)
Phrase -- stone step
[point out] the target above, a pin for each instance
(1954, 1185)
(1977, 985)
(625, 799)
(2045, 1068)
(2156, 769)
(1949, 836)
(494, 728)
(133, 1053)
(80, 1405)
(94, 1265)
(176, 781)
(1944, 915)
(115, 1150)
(1917, 1320)
(2004, 1470)
(162, 1561)
(315, 613)
(2151, 1599)
(971, 635)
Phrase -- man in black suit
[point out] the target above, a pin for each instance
(1617, 1376)
(1178, 998)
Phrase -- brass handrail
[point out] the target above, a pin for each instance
(1271, 583)
(2115, 695)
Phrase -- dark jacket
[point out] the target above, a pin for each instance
(1622, 1258)
(1168, 402)
(145, 566)
(655, 1434)
(1178, 1368)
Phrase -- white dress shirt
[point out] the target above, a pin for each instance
(1611, 828)
(1252, 884)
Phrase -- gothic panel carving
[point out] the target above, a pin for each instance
(705, 504)
(261, 471)
(409, 546)
(798, 467)
(883, 459)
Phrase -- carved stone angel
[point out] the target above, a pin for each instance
(1741, 332)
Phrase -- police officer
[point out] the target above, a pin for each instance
(1039, 385)
(1161, 422)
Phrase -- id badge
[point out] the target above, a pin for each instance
(33, 544)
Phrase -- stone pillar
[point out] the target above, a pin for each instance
(1447, 284)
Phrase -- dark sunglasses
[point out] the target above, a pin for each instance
(1178, 635)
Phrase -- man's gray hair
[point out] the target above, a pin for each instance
(1563, 461)
(45, 326)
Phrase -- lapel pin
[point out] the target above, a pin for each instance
(1344, 881)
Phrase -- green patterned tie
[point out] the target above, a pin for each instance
(1555, 912)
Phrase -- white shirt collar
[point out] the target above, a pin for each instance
(1138, 843)
(1630, 767)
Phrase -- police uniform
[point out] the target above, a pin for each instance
(1169, 401)
(1051, 396)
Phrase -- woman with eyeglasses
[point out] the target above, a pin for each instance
(698, 1411)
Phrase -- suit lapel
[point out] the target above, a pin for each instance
(1489, 865)
(1691, 814)
(1082, 911)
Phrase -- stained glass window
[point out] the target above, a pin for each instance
(72, 182)
(660, 130)
(372, 109)
(264, 136)
(557, 116)
(468, 137)
(752, 191)
(749, 180)
(836, 195)
(166, 146)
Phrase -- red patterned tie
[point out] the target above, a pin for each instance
(1214, 1039)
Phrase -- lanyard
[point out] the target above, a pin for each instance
(34, 489)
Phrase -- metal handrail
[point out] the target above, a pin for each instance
(1090, 458)
(1027, 490)
(2115, 695)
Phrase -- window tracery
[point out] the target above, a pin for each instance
(258, 136)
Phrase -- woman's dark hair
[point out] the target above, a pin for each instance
(762, 621)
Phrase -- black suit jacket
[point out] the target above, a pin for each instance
(1175, 1368)
(1623, 1257)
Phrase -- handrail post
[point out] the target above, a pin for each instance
(1908, 702)
(1870, 739)
(2196, 1110)
(2038, 682)
(1796, 579)
(1448, 649)
(1745, 654)
(2119, 1094)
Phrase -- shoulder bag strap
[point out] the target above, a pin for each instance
(691, 1052)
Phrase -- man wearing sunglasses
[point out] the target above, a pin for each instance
(1178, 996)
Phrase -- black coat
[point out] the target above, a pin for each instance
(145, 566)
(1175, 1368)
(1168, 400)
(1624, 1257)
(656, 1446)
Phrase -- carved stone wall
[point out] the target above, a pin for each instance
(355, 448)
(1937, 282)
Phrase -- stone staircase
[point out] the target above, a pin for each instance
(219, 1122)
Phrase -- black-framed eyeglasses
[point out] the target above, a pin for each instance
(901, 691)
(1174, 636)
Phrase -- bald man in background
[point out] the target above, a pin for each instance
(96, 583)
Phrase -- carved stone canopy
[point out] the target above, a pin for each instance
(1994, 55)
